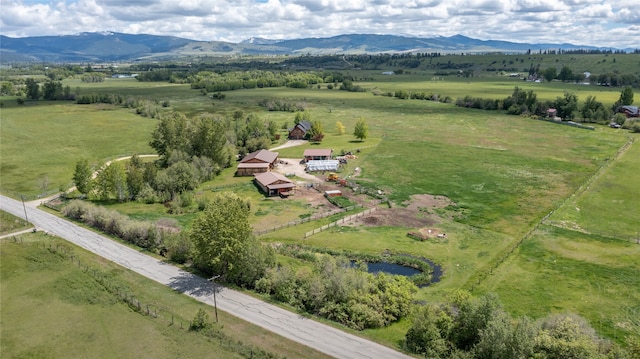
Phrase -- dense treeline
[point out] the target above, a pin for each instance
(336, 290)
(213, 81)
(467, 327)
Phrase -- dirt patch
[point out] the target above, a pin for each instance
(417, 213)
(294, 167)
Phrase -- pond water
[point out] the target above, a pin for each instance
(397, 269)
(391, 268)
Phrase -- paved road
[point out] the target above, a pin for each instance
(290, 325)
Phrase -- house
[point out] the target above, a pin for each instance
(630, 111)
(552, 113)
(274, 184)
(299, 131)
(257, 162)
(312, 154)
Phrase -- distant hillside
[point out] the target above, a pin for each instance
(111, 46)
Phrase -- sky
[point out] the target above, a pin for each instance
(602, 23)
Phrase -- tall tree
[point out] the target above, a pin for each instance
(361, 130)
(626, 96)
(112, 181)
(82, 177)
(302, 116)
(340, 129)
(316, 133)
(170, 134)
(52, 90)
(566, 74)
(221, 235)
(567, 105)
(135, 177)
(33, 89)
(208, 138)
(550, 73)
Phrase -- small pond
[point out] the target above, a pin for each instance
(391, 268)
(398, 269)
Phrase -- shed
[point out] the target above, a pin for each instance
(257, 162)
(323, 165)
(333, 193)
(273, 184)
(312, 154)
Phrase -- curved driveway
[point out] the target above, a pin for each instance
(287, 324)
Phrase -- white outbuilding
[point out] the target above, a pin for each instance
(322, 165)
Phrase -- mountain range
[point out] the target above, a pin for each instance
(95, 47)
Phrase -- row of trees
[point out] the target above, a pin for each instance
(525, 102)
(51, 90)
(227, 81)
(480, 328)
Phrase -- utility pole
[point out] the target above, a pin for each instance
(26, 218)
(215, 305)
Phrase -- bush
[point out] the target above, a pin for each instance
(143, 234)
(334, 289)
(200, 321)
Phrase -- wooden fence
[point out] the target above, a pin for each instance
(307, 219)
(340, 221)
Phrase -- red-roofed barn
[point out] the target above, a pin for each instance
(257, 162)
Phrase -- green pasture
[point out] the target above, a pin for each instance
(559, 270)
(610, 206)
(52, 307)
(42, 141)
(10, 223)
(487, 65)
(496, 87)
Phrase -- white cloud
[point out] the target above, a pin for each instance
(605, 23)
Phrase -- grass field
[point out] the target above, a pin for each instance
(504, 174)
(558, 270)
(10, 223)
(42, 141)
(52, 308)
(610, 205)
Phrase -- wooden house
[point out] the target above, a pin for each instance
(630, 111)
(257, 162)
(274, 184)
(299, 131)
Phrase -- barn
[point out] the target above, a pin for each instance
(274, 184)
(257, 162)
(313, 154)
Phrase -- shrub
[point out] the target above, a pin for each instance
(200, 321)
(143, 234)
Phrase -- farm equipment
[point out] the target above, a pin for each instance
(333, 177)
